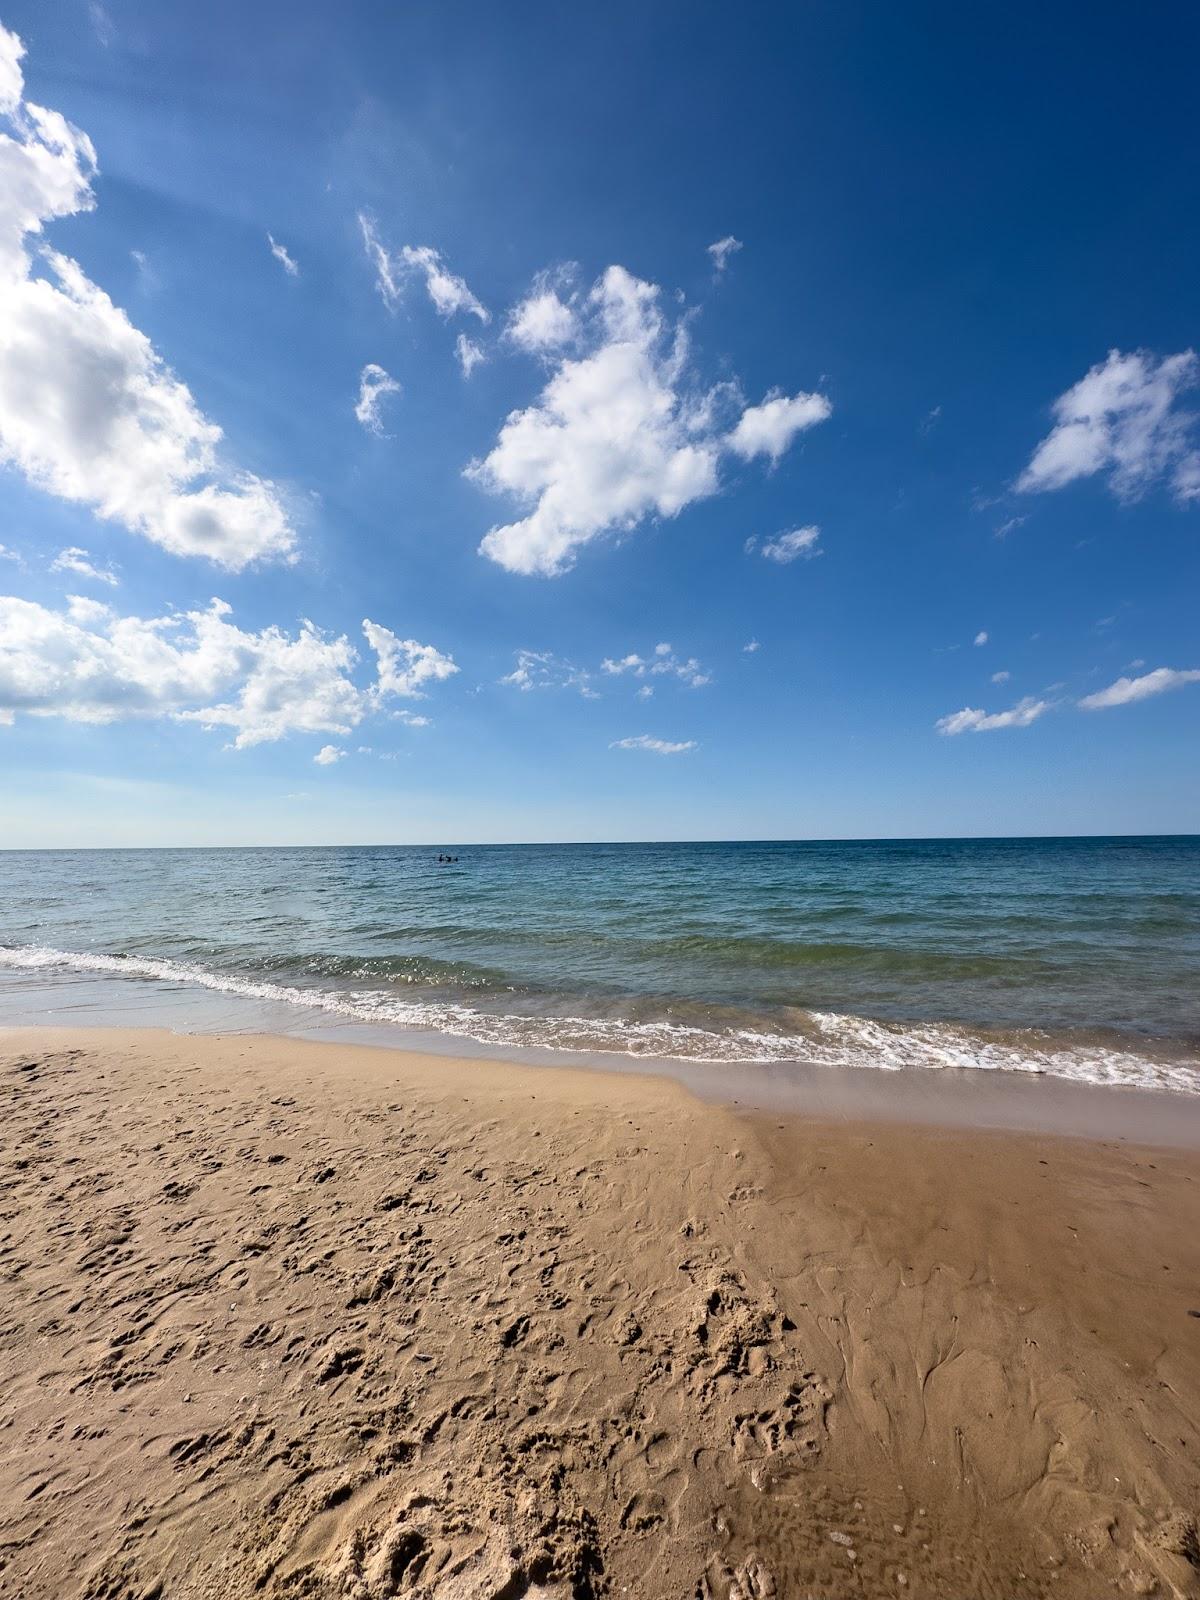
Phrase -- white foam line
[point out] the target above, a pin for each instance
(839, 1040)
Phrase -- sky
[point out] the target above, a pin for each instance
(437, 423)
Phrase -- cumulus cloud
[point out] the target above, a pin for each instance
(78, 561)
(87, 663)
(787, 547)
(406, 667)
(328, 754)
(971, 720)
(659, 747)
(618, 434)
(88, 409)
(1121, 419)
(981, 637)
(663, 662)
(449, 293)
(750, 648)
(768, 429)
(1126, 690)
(1001, 677)
(374, 386)
(284, 259)
(722, 250)
(468, 353)
(543, 320)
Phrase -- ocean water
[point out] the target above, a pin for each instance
(1077, 957)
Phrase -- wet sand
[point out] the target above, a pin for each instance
(297, 1319)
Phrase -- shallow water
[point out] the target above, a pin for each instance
(1077, 957)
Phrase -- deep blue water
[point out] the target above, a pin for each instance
(1079, 956)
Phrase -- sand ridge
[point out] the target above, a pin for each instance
(303, 1320)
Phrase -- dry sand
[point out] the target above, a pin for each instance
(288, 1319)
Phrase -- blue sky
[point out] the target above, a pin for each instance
(921, 431)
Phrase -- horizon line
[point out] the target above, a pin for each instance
(569, 844)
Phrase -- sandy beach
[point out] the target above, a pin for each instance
(295, 1319)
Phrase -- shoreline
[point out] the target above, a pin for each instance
(295, 1318)
(962, 1098)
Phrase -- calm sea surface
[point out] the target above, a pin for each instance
(1079, 957)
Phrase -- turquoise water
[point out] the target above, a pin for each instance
(1073, 956)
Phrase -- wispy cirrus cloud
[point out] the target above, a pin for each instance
(89, 411)
(722, 250)
(448, 292)
(79, 562)
(784, 548)
(374, 386)
(658, 747)
(468, 354)
(281, 255)
(542, 669)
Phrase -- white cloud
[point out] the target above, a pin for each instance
(788, 547)
(88, 664)
(387, 281)
(617, 435)
(659, 747)
(931, 419)
(751, 647)
(722, 250)
(328, 754)
(374, 386)
(971, 720)
(1126, 690)
(1010, 525)
(88, 410)
(284, 259)
(645, 692)
(542, 669)
(543, 321)
(78, 561)
(405, 666)
(663, 662)
(449, 293)
(1001, 677)
(102, 23)
(981, 637)
(468, 353)
(768, 429)
(410, 719)
(1121, 419)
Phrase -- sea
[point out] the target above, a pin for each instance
(1074, 957)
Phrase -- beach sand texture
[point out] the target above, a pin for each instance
(289, 1319)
